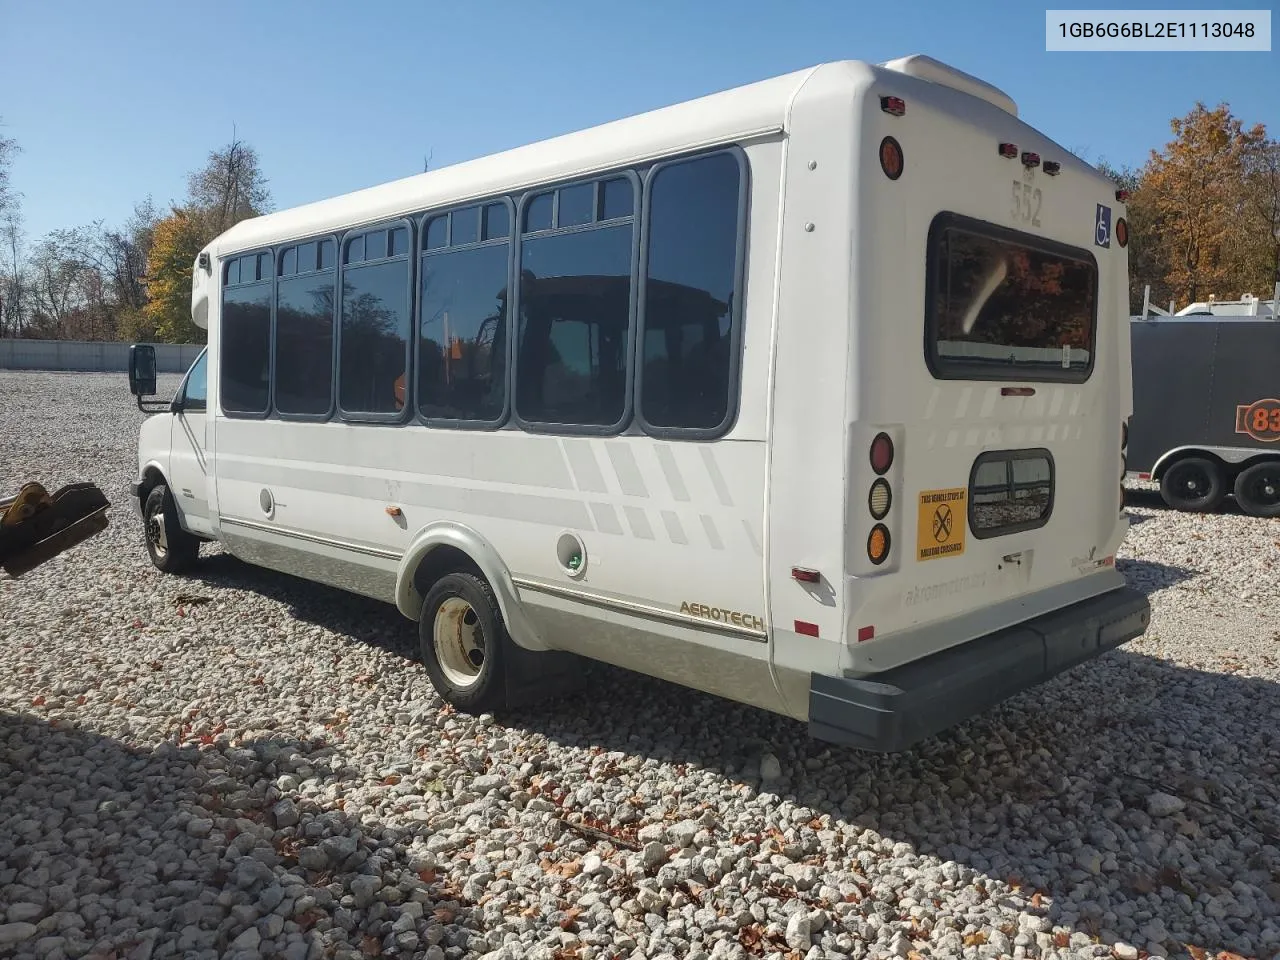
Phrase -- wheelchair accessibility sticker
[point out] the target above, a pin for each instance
(1102, 227)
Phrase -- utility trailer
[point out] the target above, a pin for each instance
(1206, 411)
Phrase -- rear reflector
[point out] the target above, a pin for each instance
(894, 106)
(1017, 391)
(806, 628)
(805, 575)
(866, 633)
(1144, 476)
(1008, 150)
(878, 544)
(891, 158)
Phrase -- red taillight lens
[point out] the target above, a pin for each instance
(894, 106)
(881, 454)
(1008, 150)
(1052, 167)
(891, 158)
(1122, 232)
(1030, 159)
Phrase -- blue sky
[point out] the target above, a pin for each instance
(112, 102)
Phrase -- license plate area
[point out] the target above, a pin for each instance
(1010, 491)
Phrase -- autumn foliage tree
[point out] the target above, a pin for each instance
(1204, 211)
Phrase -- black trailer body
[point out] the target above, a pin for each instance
(1206, 411)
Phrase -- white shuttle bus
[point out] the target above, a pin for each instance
(812, 394)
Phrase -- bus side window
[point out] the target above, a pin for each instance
(686, 359)
(375, 326)
(245, 381)
(304, 332)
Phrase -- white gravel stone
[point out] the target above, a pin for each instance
(346, 809)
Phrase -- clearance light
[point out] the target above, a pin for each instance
(1122, 195)
(805, 575)
(1122, 232)
(1052, 167)
(894, 106)
(881, 454)
(878, 544)
(879, 499)
(1009, 150)
(891, 158)
(806, 628)
(1030, 159)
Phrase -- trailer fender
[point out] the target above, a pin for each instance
(1231, 456)
(446, 533)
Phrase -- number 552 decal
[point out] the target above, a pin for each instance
(1026, 203)
(1260, 420)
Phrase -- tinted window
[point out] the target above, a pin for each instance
(355, 250)
(576, 205)
(999, 307)
(1010, 491)
(326, 254)
(233, 272)
(304, 343)
(537, 214)
(575, 294)
(462, 337)
(196, 392)
(398, 242)
(437, 234)
(466, 226)
(307, 257)
(497, 221)
(246, 348)
(616, 199)
(374, 337)
(688, 296)
(289, 262)
(375, 245)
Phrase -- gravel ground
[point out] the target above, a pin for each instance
(244, 764)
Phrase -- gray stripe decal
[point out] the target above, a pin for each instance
(624, 466)
(713, 535)
(639, 523)
(606, 518)
(312, 538)
(638, 609)
(751, 535)
(488, 503)
(667, 461)
(717, 478)
(674, 530)
(586, 471)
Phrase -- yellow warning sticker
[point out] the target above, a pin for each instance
(943, 518)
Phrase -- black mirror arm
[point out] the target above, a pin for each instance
(153, 406)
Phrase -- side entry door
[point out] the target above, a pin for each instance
(188, 470)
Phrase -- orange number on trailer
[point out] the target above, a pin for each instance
(1260, 420)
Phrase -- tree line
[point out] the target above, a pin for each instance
(1203, 211)
(129, 282)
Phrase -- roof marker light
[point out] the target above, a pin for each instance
(1030, 159)
(1122, 195)
(894, 106)
(1008, 150)
(1052, 167)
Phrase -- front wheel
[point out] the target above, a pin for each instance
(1258, 489)
(1195, 484)
(171, 548)
(464, 642)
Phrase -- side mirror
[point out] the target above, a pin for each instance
(142, 370)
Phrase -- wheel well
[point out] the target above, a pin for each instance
(150, 477)
(442, 560)
(1229, 469)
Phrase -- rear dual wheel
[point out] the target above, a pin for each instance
(1257, 489)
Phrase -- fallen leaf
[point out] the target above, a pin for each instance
(1037, 900)
(1061, 939)
(1197, 953)
(37, 701)
(427, 876)
(371, 946)
(976, 939)
(443, 914)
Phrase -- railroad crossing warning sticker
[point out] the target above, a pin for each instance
(943, 518)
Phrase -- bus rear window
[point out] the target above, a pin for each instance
(1004, 305)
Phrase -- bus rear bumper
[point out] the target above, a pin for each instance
(895, 709)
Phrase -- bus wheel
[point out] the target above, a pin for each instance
(1258, 489)
(171, 548)
(1194, 484)
(464, 642)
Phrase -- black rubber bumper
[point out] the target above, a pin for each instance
(902, 706)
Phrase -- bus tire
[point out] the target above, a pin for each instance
(1194, 484)
(172, 549)
(1257, 489)
(464, 643)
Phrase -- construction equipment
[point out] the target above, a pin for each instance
(36, 526)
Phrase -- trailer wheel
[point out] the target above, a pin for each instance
(1258, 489)
(464, 643)
(1195, 484)
(171, 548)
